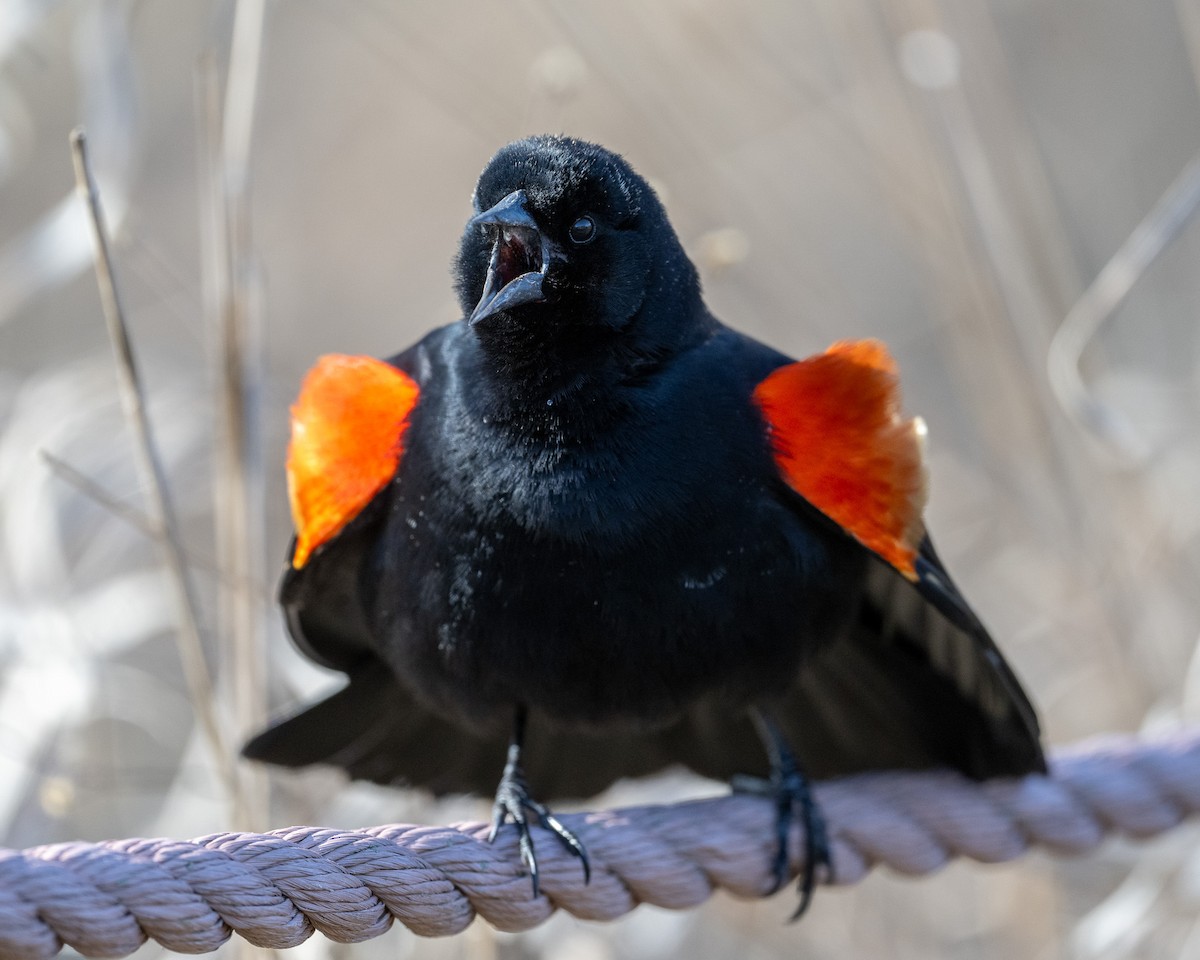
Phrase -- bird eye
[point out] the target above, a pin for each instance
(582, 230)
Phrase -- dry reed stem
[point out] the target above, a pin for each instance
(226, 130)
(149, 466)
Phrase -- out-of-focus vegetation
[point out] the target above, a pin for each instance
(950, 176)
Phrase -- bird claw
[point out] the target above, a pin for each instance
(790, 791)
(514, 803)
(793, 792)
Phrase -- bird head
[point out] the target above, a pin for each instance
(567, 241)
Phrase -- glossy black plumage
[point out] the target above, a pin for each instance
(588, 520)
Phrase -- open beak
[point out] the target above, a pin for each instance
(520, 256)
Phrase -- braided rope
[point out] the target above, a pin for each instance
(275, 889)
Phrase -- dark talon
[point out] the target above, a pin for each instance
(794, 790)
(789, 787)
(573, 844)
(513, 802)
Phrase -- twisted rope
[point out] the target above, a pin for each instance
(275, 889)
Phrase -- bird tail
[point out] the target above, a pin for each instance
(374, 730)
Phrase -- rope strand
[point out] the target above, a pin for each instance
(275, 889)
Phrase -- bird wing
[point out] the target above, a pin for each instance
(908, 686)
(917, 680)
(348, 429)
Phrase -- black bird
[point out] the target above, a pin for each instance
(589, 532)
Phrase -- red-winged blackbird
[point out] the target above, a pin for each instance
(589, 532)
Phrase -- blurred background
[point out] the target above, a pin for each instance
(1001, 189)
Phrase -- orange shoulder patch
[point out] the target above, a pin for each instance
(348, 425)
(840, 443)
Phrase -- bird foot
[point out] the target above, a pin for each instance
(790, 791)
(514, 803)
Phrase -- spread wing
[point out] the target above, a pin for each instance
(348, 429)
(917, 681)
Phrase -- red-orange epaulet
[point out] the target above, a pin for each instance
(840, 442)
(348, 428)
